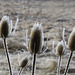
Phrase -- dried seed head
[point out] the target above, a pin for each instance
(60, 48)
(4, 26)
(23, 62)
(36, 38)
(71, 40)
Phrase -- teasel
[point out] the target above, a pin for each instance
(5, 31)
(23, 63)
(60, 52)
(71, 45)
(36, 42)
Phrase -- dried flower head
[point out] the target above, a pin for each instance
(60, 48)
(23, 62)
(4, 26)
(71, 40)
(5, 31)
(36, 38)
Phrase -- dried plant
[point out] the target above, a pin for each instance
(5, 31)
(36, 42)
(71, 45)
(60, 52)
(23, 63)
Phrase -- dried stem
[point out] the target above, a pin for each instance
(11, 25)
(15, 25)
(6, 49)
(34, 62)
(66, 70)
(59, 65)
(27, 37)
(20, 71)
(47, 41)
(54, 48)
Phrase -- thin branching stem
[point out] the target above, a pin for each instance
(47, 41)
(6, 49)
(66, 70)
(15, 26)
(34, 62)
(54, 48)
(64, 38)
(57, 64)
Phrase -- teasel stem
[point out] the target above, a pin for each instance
(54, 48)
(15, 26)
(6, 49)
(20, 71)
(27, 39)
(34, 62)
(59, 65)
(47, 41)
(64, 38)
(66, 70)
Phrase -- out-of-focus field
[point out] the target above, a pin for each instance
(54, 16)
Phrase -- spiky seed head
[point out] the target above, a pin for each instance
(71, 40)
(4, 26)
(23, 62)
(36, 38)
(60, 48)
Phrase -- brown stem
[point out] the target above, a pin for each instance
(68, 62)
(34, 62)
(59, 65)
(6, 49)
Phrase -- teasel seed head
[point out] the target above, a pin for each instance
(60, 48)
(23, 62)
(36, 38)
(4, 27)
(71, 40)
